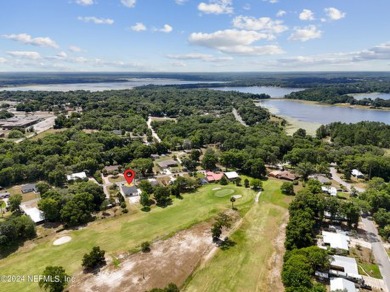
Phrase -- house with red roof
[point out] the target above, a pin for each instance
(213, 177)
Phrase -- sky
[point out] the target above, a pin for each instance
(194, 35)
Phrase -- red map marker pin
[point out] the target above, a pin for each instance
(129, 175)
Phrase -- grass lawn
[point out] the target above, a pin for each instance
(371, 269)
(245, 267)
(117, 235)
(46, 133)
(113, 180)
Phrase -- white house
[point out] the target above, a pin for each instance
(78, 175)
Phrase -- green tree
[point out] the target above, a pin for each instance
(94, 259)
(223, 181)
(142, 165)
(287, 188)
(256, 183)
(209, 159)
(146, 186)
(55, 279)
(232, 200)
(51, 208)
(246, 183)
(42, 187)
(161, 194)
(2, 207)
(14, 202)
(305, 169)
(145, 201)
(145, 246)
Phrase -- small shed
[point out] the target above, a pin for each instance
(231, 175)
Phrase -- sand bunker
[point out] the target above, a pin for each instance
(62, 240)
(237, 196)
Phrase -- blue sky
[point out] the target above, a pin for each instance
(194, 35)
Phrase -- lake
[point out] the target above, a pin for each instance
(101, 86)
(311, 115)
(274, 92)
(372, 95)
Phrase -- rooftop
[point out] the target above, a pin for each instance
(34, 213)
(77, 175)
(335, 240)
(231, 174)
(340, 284)
(348, 264)
(167, 163)
(212, 176)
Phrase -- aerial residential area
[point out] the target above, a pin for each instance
(195, 146)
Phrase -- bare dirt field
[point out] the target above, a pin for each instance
(171, 260)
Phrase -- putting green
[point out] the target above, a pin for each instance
(224, 193)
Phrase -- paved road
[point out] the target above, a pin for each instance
(238, 117)
(337, 178)
(378, 250)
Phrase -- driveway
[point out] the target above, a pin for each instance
(337, 178)
(378, 250)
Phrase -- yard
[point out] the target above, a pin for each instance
(118, 235)
(254, 264)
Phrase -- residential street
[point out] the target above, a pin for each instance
(154, 134)
(378, 250)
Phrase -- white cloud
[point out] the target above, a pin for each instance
(75, 49)
(198, 56)
(281, 13)
(166, 28)
(216, 7)
(271, 1)
(306, 14)
(264, 24)
(62, 55)
(234, 41)
(334, 13)
(129, 3)
(25, 54)
(96, 20)
(305, 33)
(28, 40)
(84, 2)
(381, 52)
(247, 6)
(139, 26)
(3, 60)
(180, 2)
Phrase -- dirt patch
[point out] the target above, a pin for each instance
(62, 240)
(275, 263)
(171, 260)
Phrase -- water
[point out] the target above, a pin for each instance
(323, 114)
(274, 92)
(372, 95)
(101, 86)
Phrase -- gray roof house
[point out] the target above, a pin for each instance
(129, 191)
(28, 188)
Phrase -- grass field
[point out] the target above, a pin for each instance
(371, 269)
(117, 235)
(246, 266)
(45, 133)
